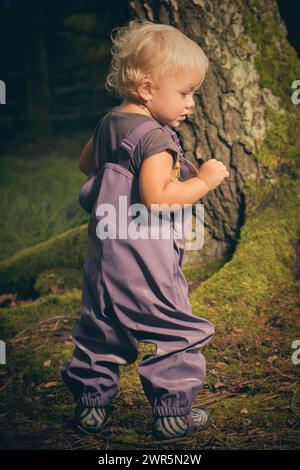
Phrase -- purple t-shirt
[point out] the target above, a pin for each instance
(115, 125)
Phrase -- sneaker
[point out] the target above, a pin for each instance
(91, 420)
(176, 427)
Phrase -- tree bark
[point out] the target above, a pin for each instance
(231, 120)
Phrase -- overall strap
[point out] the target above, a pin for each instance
(175, 138)
(129, 143)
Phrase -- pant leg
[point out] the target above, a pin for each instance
(101, 345)
(147, 303)
(155, 308)
(174, 375)
(172, 378)
(171, 382)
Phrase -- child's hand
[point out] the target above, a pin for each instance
(212, 172)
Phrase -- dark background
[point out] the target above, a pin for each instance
(290, 12)
(54, 57)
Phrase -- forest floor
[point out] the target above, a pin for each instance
(252, 384)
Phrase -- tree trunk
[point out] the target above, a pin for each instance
(241, 104)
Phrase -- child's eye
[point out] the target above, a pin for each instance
(184, 93)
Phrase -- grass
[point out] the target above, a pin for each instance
(251, 386)
(38, 199)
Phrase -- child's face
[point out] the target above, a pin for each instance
(173, 97)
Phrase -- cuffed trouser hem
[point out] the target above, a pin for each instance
(92, 400)
(171, 410)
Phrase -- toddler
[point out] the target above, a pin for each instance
(133, 287)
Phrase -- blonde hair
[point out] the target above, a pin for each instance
(143, 48)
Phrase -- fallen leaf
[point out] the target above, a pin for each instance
(128, 400)
(244, 411)
(47, 363)
(219, 385)
(237, 330)
(50, 384)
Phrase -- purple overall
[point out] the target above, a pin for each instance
(134, 290)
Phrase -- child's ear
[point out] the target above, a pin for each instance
(145, 89)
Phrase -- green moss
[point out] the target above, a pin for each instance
(276, 60)
(57, 281)
(278, 66)
(39, 198)
(232, 294)
(14, 320)
(282, 141)
(30, 361)
(66, 250)
(230, 411)
(35, 409)
(237, 294)
(262, 257)
(56, 264)
(203, 270)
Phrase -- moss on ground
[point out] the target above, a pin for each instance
(251, 385)
(263, 256)
(56, 281)
(251, 382)
(55, 266)
(15, 320)
(39, 195)
(19, 273)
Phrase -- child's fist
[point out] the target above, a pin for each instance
(212, 173)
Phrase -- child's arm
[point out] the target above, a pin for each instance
(86, 161)
(156, 185)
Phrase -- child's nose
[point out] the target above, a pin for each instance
(191, 102)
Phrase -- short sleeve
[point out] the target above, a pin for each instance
(95, 134)
(96, 144)
(156, 141)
